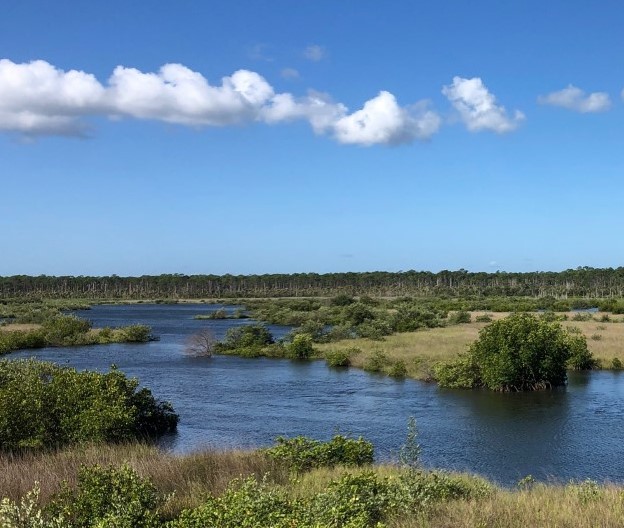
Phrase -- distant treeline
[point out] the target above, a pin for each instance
(580, 282)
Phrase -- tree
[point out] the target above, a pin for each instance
(519, 353)
(301, 347)
(201, 344)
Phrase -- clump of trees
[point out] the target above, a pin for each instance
(246, 340)
(44, 405)
(521, 352)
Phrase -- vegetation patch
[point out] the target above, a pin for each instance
(43, 405)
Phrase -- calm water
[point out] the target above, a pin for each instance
(577, 432)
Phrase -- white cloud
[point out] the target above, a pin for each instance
(382, 120)
(290, 73)
(314, 53)
(477, 106)
(574, 98)
(38, 99)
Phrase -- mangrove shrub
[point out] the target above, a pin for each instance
(43, 405)
(521, 352)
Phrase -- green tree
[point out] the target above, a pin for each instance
(521, 352)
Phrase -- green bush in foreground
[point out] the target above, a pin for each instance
(302, 454)
(43, 405)
(521, 352)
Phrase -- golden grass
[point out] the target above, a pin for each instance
(190, 476)
(542, 506)
(421, 350)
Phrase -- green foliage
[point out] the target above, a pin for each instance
(398, 369)
(43, 405)
(302, 453)
(109, 497)
(301, 347)
(245, 504)
(376, 362)
(462, 373)
(246, 340)
(461, 317)
(483, 318)
(521, 352)
(137, 333)
(342, 300)
(65, 329)
(410, 317)
(616, 364)
(17, 340)
(341, 358)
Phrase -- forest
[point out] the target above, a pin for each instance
(583, 282)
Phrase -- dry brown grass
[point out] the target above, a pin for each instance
(421, 350)
(543, 506)
(190, 476)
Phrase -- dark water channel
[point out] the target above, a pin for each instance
(573, 433)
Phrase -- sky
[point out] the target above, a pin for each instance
(281, 136)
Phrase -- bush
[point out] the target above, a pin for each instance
(43, 405)
(64, 329)
(461, 317)
(338, 358)
(398, 369)
(616, 364)
(521, 352)
(137, 333)
(483, 318)
(301, 347)
(249, 339)
(376, 362)
(302, 453)
(112, 497)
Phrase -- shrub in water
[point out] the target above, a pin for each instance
(301, 347)
(43, 405)
(338, 358)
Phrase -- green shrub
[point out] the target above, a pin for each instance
(64, 329)
(301, 347)
(137, 333)
(461, 317)
(109, 497)
(398, 369)
(245, 504)
(376, 362)
(483, 318)
(17, 340)
(616, 364)
(338, 358)
(43, 405)
(521, 352)
(245, 340)
(302, 453)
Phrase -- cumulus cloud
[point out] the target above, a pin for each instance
(38, 99)
(315, 53)
(382, 120)
(574, 98)
(477, 107)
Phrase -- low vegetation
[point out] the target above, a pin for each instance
(44, 406)
(128, 486)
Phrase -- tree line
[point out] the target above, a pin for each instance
(580, 282)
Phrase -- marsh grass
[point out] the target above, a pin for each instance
(191, 476)
(422, 349)
(541, 506)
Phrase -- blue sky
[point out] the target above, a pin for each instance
(294, 136)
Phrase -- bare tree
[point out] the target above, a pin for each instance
(201, 344)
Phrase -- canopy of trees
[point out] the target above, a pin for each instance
(579, 282)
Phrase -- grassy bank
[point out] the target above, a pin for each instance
(419, 351)
(397, 497)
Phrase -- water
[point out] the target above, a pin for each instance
(571, 433)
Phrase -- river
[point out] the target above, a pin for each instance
(223, 402)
